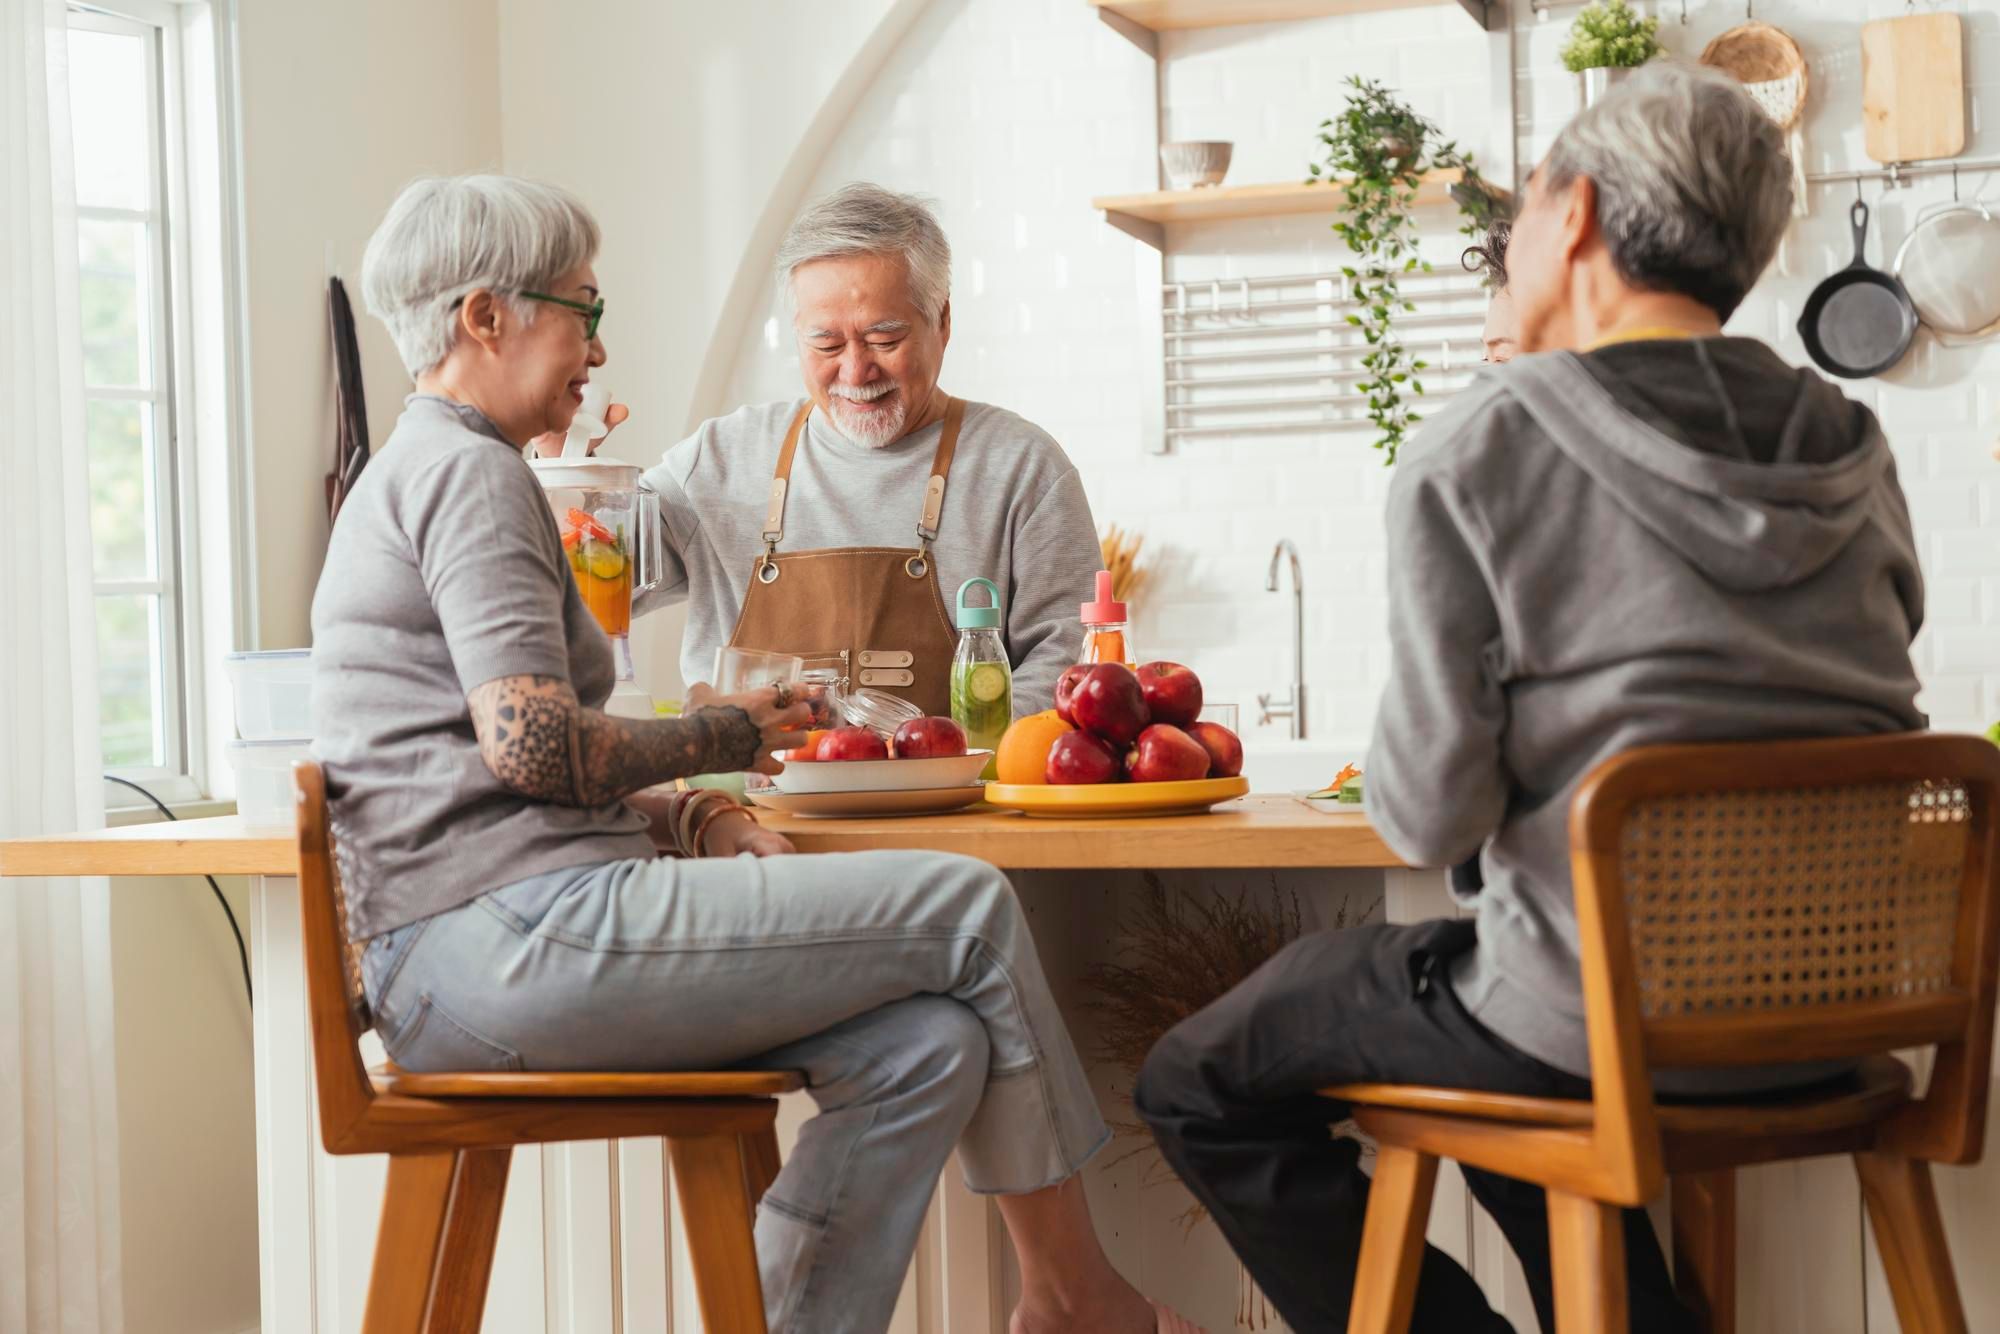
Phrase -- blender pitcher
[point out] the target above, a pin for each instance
(610, 524)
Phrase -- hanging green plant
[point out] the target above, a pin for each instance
(1610, 34)
(1378, 151)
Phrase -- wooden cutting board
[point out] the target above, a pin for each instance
(1913, 87)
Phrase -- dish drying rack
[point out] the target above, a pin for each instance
(1277, 355)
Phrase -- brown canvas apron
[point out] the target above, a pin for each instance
(875, 614)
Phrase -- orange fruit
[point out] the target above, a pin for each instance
(1023, 756)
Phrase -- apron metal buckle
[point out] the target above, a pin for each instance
(919, 565)
(767, 568)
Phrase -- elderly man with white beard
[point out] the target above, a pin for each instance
(837, 525)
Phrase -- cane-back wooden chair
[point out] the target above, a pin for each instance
(1741, 904)
(450, 1137)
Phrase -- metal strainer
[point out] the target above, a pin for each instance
(1950, 264)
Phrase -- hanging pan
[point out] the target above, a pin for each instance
(1858, 322)
(1950, 266)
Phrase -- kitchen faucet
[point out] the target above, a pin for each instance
(1293, 705)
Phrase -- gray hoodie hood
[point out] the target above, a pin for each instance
(1780, 485)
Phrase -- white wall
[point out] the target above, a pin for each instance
(341, 104)
(1016, 113)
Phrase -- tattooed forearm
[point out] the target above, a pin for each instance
(539, 741)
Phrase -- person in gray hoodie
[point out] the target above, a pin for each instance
(1666, 534)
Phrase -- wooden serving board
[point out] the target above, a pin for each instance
(1913, 87)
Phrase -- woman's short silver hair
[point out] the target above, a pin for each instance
(864, 219)
(446, 237)
(1694, 190)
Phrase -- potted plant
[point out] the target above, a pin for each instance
(1378, 150)
(1608, 40)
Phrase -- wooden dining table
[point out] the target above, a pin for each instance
(1260, 830)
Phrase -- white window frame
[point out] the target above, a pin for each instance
(202, 564)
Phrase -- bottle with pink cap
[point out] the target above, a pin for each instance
(1106, 628)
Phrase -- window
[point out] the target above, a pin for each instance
(131, 187)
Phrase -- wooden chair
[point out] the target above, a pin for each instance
(450, 1137)
(1737, 905)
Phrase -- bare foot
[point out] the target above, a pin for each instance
(1130, 1314)
(1120, 1313)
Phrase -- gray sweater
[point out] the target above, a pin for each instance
(1654, 542)
(1014, 512)
(446, 571)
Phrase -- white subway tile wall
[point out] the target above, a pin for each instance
(1014, 113)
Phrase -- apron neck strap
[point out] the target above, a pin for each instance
(954, 417)
(927, 524)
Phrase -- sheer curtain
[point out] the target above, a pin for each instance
(59, 1243)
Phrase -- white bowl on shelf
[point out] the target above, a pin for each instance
(804, 777)
(1192, 163)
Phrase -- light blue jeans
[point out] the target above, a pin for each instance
(904, 984)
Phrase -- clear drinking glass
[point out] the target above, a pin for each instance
(1219, 713)
(741, 669)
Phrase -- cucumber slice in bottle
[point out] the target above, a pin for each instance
(987, 682)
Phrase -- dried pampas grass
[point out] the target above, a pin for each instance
(1120, 550)
(1183, 952)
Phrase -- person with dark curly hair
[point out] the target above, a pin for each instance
(1488, 259)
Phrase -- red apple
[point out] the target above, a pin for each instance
(1109, 702)
(1173, 693)
(1165, 754)
(929, 739)
(1079, 757)
(853, 743)
(1066, 685)
(1224, 747)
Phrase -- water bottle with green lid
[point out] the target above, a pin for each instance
(982, 684)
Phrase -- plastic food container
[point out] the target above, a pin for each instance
(878, 711)
(273, 693)
(264, 779)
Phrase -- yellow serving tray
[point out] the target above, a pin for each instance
(1066, 801)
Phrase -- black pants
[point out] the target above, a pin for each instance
(1229, 1094)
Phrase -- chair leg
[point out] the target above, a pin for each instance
(1392, 1241)
(1704, 1221)
(434, 1246)
(760, 1160)
(471, 1230)
(711, 1175)
(1903, 1208)
(1587, 1255)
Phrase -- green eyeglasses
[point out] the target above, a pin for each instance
(591, 314)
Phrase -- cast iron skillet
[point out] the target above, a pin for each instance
(1858, 322)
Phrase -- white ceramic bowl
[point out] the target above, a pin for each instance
(809, 776)
(1193, 162)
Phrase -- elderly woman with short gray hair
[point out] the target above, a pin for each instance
(1644, 531)
(496, 830)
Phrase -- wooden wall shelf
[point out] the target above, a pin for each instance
(1169, 15)
(1145, 216)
